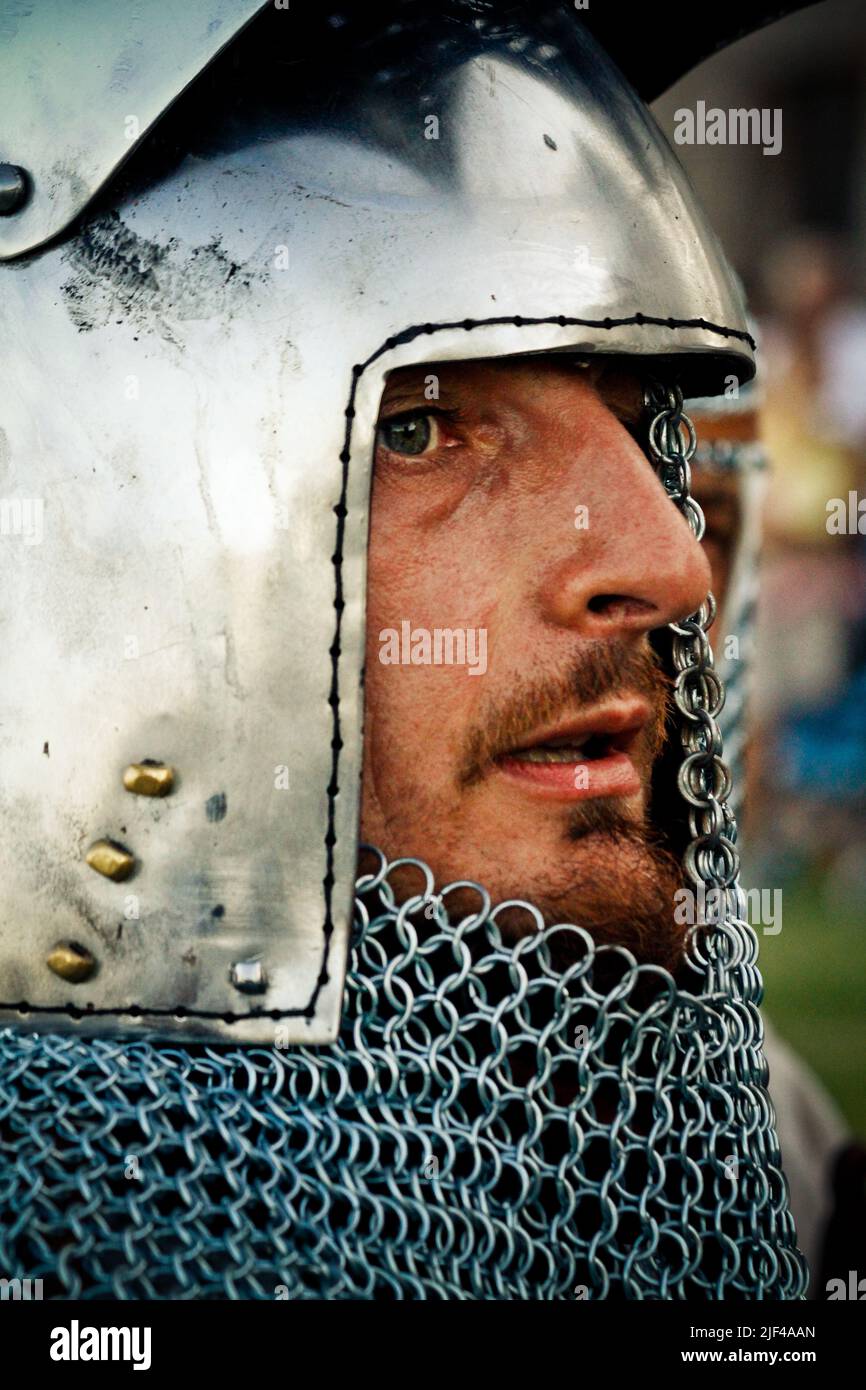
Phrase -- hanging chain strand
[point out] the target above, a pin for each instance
(711, 859)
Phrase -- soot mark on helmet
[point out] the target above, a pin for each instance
(115, 273)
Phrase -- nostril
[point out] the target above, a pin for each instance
(620, 606)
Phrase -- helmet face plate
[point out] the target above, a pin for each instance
(194, 405)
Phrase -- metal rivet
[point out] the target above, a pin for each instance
(149, 778)
(13, 189)
(111, 859)
(249, 976)
(71, 962)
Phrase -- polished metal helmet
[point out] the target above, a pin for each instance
(202, 338)
(201, 345)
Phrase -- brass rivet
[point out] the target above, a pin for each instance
(71, 962)
(111, 860)
(149, 779)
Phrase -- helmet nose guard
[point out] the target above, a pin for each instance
(191, 409)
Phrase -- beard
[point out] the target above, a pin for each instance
(623, 897)
(617, 875)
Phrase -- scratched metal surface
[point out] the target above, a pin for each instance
(83, 81)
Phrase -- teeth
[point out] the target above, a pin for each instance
(566, 742)
(565, 753)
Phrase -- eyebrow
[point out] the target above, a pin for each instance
(407, 393)
(408, 398)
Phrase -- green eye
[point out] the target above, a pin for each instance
(407, 434)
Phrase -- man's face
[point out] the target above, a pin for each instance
(516, 517)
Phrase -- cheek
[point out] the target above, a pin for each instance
(407, 583)
(416, 719)
(412, 562)
(417, 713)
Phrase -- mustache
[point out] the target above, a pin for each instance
(602, 669)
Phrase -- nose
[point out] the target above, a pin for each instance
(632, 562)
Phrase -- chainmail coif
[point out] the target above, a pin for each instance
(487, 1127)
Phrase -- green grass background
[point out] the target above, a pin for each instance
(814, 975)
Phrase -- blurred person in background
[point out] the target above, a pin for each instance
(824, 1165)
(812, 712)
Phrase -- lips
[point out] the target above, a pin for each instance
(583, 757)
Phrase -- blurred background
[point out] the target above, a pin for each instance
(794, 225)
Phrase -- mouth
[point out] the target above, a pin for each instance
(587, 756)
